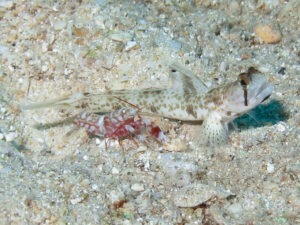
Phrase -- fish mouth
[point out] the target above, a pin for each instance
(256, 87)
(265, 98)
(264, 91)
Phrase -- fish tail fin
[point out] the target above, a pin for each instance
(66, 100)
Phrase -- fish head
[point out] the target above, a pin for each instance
(248, 91)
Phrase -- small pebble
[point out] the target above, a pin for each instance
(85, 182)
(76, 200)
(11, 136)
(3, 110)
(234, 7)
(80, 32)
(235, 210)
(280, 127)
(44, 68)
(95, 187)
(116, 196)
(294, 168)
(121, 37)
(115, 170)
(137, 187)
(130, 45)
(44, 46)
(294, 200)
(98, 141)
(282, 70)
(59, 25)
(267, 34)
(271, 187)
(6, 4)
(223, 66)
(270, 167)
(175, 145)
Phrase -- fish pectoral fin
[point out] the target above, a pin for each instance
(213, 131)
(184, 79)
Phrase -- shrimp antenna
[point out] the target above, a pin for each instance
(138, 108)
(134, 106)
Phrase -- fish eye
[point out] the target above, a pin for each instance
(244, 79)
(243, 83)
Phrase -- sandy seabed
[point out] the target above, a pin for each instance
(50, 175)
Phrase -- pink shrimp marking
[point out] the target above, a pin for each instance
(119, 124)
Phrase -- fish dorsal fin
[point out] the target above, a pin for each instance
(184, 79)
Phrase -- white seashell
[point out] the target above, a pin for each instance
(11, 136)
(138, 187)
(59, 25)
(121, 37)
(131, 45)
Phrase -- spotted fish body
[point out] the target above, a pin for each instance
(188, 99)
